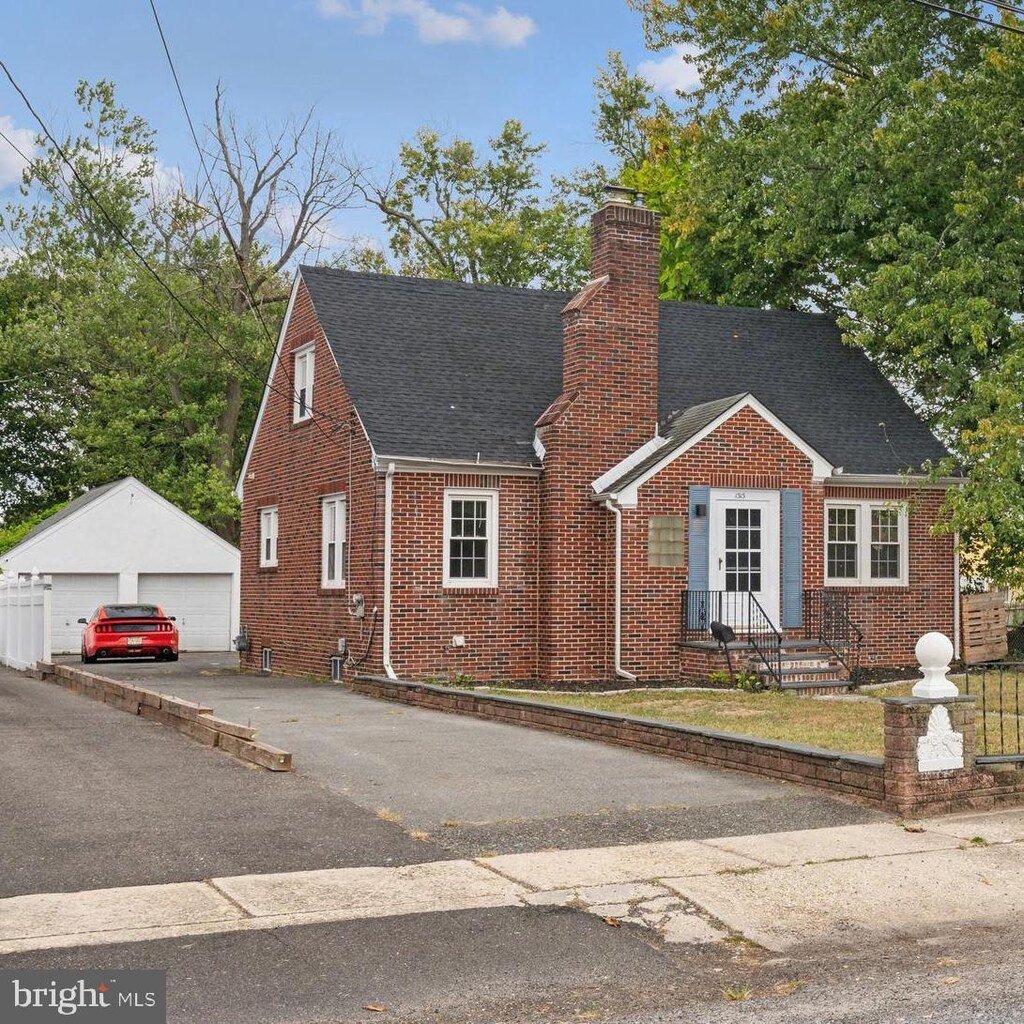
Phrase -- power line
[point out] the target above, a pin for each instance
(1010, 8)
(969, 17)
(206, 171)
(254, 305)
(140, 256)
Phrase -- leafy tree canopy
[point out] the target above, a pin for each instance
(137, 322)
(862, 158)
(455, 214)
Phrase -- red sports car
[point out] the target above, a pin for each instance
(129, 631)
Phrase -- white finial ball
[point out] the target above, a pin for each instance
(934, 650)
(934, 653)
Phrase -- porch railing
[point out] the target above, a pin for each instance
(765, 639)
(743, 612)
(827, 620)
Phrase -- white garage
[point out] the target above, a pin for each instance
(124, 543)
(200, 601)
(73, 591)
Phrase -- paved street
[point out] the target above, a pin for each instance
(296, 898)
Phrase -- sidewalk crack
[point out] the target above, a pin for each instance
(227, 896)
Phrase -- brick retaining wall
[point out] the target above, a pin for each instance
(858, 777)
(892, 783)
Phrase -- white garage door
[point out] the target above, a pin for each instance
(201, 603)
(75, 596)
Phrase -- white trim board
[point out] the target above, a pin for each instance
(240, 484)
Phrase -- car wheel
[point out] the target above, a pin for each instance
(89, 660)
(172, 657)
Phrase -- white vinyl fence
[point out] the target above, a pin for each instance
(24, 621)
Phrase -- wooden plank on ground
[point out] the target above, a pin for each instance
(244, 732)
(267, 756)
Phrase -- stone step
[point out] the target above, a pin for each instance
(816, 685)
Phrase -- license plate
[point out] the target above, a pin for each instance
(134, 641)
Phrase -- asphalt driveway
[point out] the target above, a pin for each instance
(474, 786)
(93, 798)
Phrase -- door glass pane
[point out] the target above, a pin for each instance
(742, 549)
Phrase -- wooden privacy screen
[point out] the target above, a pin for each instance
(983, 627)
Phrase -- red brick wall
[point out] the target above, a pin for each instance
(894, 618)
(293, 466)
(610, 366)
(499, 624)
(744, 453)
(747, 453)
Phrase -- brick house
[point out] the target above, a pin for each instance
(522, 485)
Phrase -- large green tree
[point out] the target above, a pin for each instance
(137, 322)
(457, 214)
(863, 157)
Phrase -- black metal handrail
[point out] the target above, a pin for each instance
(765, 639)
(739, 609)
(827, 620)
(702, 607)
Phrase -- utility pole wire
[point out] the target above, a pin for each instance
(138, 254)
(968, 17)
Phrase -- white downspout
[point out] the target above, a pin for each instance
(388, 488)
(619, 670)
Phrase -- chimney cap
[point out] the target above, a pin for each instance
(622, 196)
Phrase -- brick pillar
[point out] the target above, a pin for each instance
(911, 791)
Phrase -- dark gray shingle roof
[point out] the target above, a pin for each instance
(677, 432)
(72, 506)
(440, 369)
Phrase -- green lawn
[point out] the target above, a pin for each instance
(852, 726)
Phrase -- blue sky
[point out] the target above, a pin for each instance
(375, 69)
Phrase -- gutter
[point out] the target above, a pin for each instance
(388, 491)
(890, 480)
(619, 670)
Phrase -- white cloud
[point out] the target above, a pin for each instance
(675, 72)
(465, 24)
(11, 162)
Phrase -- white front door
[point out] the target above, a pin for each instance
(744, 552)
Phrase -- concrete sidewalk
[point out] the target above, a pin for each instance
(846, 886)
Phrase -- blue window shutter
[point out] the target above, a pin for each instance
(792, 558)
(697, 554)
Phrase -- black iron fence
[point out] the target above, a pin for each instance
(1015, 630)
(997, 689)
(827, 620)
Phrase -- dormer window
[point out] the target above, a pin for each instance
(303, 387)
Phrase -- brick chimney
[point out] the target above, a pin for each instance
(610, 329)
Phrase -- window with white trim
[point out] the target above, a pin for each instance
(332, 544)
(865, 544)
(268, 536)
(302, 408)
(470, 538)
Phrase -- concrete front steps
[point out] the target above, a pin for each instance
(809, 668)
